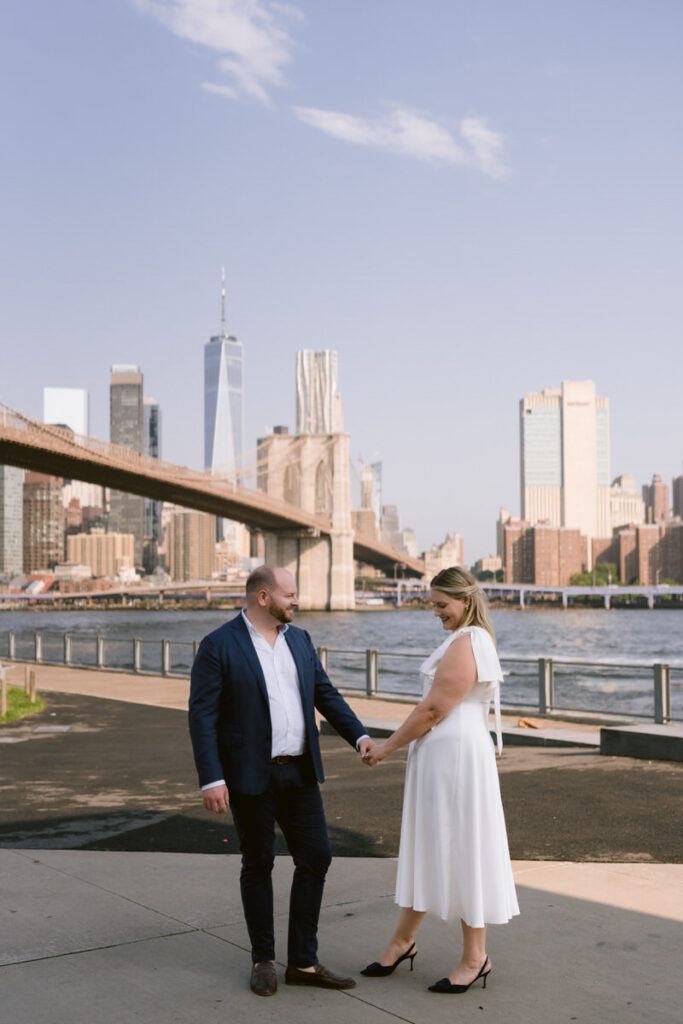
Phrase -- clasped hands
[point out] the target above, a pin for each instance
(217, 798)
(371, 753)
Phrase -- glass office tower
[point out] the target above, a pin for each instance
(223, 404)
(564, 456)
(126, 428)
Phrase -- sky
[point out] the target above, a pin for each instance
(468, 202)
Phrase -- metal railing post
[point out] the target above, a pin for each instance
(371, 673)
(11, 645)
(546, 685)
(662, 693)
(137, 654)
(165, 657)
(100, 652)
(39, 647)
(67, 648)
(322, 655)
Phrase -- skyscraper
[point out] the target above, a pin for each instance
(151, 509)
(224, 414)
(223, 399)
(656, 498)
(190, 544)
(564, 448)
(68, 407)
(11, 520)
(677, 495)
(626, 505)
(371, 488)
(318, 405)
(43, 540)
(126, 424)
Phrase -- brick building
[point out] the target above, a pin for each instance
(543, 554)
(43, 522)
(656, 498)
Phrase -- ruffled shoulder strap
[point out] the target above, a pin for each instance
(488, 670)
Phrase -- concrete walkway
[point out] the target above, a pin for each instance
(112, 938)
(120, 937)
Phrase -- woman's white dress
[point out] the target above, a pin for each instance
(453, 857)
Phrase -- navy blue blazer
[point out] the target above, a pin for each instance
(229, 710)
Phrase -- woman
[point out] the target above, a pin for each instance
(453, 858)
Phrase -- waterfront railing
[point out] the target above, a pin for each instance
(638, 690)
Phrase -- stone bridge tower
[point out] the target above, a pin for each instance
(311, 471)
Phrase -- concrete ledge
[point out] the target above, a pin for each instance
(652, 742)
(514, 736)
(380, 728)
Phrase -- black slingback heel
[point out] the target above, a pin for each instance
(445, 985)
(378, 970)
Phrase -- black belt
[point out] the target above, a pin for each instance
(285, 758)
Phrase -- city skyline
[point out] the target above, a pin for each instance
(555, 398)
(471, 216)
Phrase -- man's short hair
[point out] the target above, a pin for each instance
(262, 578)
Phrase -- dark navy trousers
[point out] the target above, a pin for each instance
(293, 800)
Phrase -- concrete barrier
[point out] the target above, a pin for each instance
(652, 742)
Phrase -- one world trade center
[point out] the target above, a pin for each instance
(223, 402)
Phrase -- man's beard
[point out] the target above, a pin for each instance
(284, 615)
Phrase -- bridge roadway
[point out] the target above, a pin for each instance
(523, 590)
(402, 590)
(29, 444)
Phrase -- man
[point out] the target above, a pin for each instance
(255, 683)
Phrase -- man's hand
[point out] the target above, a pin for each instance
(216, 799)
(365, 746)
(377, 753)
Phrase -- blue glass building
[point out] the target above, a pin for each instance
(223, 404)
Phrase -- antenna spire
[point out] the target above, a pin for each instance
(223, 301)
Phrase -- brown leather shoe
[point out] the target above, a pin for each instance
(264, 979)
(321, 978)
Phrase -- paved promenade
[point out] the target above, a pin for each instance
(109, 934)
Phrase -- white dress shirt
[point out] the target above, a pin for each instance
(282, 684)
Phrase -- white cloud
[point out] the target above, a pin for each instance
(249, 35)
(486, 145)
(220, 90)
(408, 133)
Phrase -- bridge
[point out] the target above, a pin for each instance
(398, 591)
(29, 444)
(523, 592)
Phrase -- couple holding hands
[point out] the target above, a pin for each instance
(256, 681)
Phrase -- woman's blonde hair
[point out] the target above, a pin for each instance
(461, 584)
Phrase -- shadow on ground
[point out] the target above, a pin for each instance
(110, 775)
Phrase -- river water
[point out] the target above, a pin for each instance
(630, 637)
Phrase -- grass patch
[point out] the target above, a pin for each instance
(19, 705)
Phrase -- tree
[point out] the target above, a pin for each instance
(602, 575)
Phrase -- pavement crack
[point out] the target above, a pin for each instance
(112, 892)
(380, 1009)
(96, 949)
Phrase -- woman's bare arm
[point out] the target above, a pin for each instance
(455, 676)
